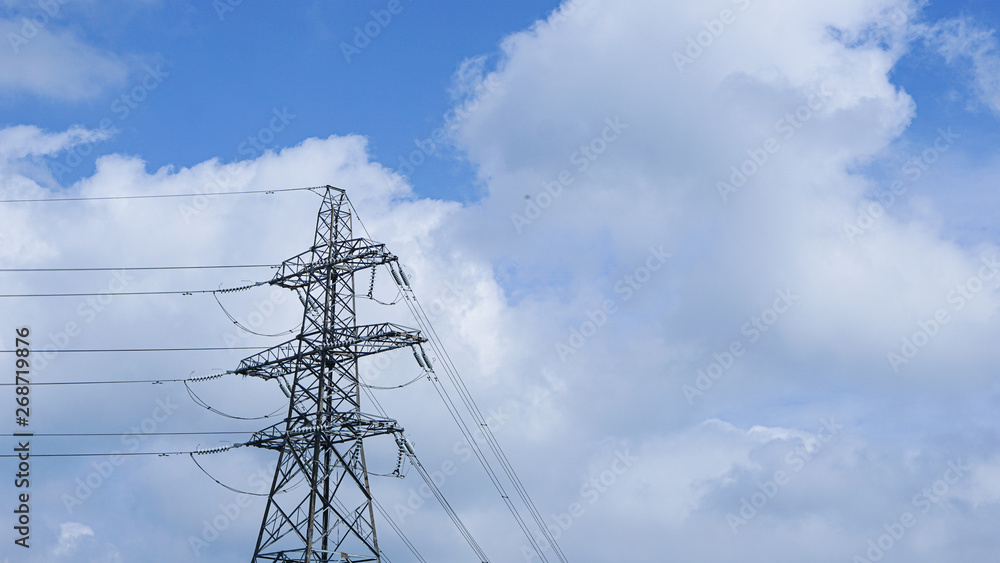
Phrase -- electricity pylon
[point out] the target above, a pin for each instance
(330, 517)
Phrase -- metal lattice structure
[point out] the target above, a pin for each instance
(330, 517)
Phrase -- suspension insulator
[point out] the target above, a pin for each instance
(403, 275)
(284, 389)
(417, 357)
(395, 276)
(426, 359)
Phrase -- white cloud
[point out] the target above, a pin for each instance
(599, 76)
(23, 141)
(77, 542)
(553, 93)
(961, 39)
(70, 534)
(658, 182)
(55, 64)
(681, 468)
(24, 177)
(166, 504)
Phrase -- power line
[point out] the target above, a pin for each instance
(479, 420)
(150, 196)
(452, 372)
(245, 329)
(129, 381)
(117, 293)
(102, 454)
(110, 350)
(153, 381)
(201, 403)
(399, 531)
(138, 268)
(429, 481)
(101, 434)
(422, 375)
(406, 449)
(235, 490)
(106, 293)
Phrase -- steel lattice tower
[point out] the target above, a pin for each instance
(329, 518)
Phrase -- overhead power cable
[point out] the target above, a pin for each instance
(116, 350)
(102, 454)
(139, 268)
(407, 384)
(150, 196)
(104, 293)
(407, 450)
(429, 481)
(208, 451)
(223, 484)
(201, 403)
(424, 323)
(209, 475)
(399, 532)
(102, 434)
(117, 293)
(245, 329)
(479, 421)
(116, 382)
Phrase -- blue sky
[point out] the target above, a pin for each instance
(642, 267)
(226, 74)
(226, 69)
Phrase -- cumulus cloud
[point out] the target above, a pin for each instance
(23, 141)
(69, 536)
(166, 510)
(54, 63)
(77, 542)
(673, 198)
(737, 149)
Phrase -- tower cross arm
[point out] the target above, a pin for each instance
(348, 256)
(353, 342)
(342, 427)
